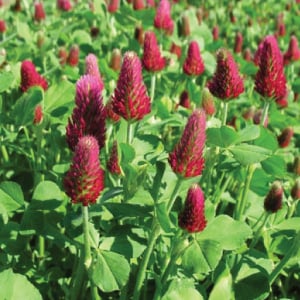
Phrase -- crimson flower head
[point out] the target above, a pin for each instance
(208, 103)
(88, 117)
(73, 57)
(295, 191)
(215, 33)
(193, 64)
(150, 3)
(184, 100)
(163, 19)
(84, 180)
(285, 137)
(226, 83)
(64, 5)
(175, 49)
(293, 52)
(113, 165)
(30, 77)
(130, 99)
(152, 59)
(116, 60)
(38, 115)
(62, 55)
(113, 6)
(39, 12)
(273, 200)
(192, 217)
(2, 26)
(91, 68)
(187, 159)
(238, 43)
(138, 4)
(270, 80)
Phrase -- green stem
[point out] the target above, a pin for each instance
(153, 81)
(174, 194)
(225, 111)
(291, 252)
(41, 247)
(241, 205)
(265, 113)
(4, 154)
(257, 233)
(129, 133)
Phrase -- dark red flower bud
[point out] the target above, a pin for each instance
(30, 77)
(88, 117)
(185, 26)
(208, 103)
(257, 118)
(2, 26)
(285, 137)
(193, 64)
(85, 179)
(226, 83)
(38, 115)
(73, 57)
(281, 29)
(130, 99)
(270, 80)
(17, 6)
(192, 218)
(62, 55)
(91, 68)
(138, 4)
(139, 34)
(295, 191)
(184, 100)
(175, 49)
(238, 43)
(150, 3)
(39, 12)
(247, 55)
(113, 6)
(296, 165)
(249, 113)
(94, 31)
(199, 15)
(293, 52)
(187, 159)
(116, 60)
(163, 18)
(113, 165)
(152, 59)
(273, 201)
(215, 33)
(64, 5)
(232, 17)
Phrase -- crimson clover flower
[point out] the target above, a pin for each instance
(193, 64)
(273, 200)
(163, 19)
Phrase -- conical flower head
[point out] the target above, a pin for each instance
(208, 103)
(285, 137)
(184, 100)
(73, 57)
(88, 117)
(138, 4)
(2, 26)
(273, 200)
(30, 77)
(192, 217)
(270, 80)
(84, 180)
(187, 159)
(130, 99)
(91, 68)
(113, 165)
(293, 52)
(226, 83)
(113, 6)
(193, 64)
(152, 59)
(39, 12)
(295, 191)
(64, 5)
(162, 19)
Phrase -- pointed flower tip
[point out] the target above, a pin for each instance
(113, 165)
(162, 19)
(193, 64)
(91, 68)
(273, 200)
(39, 12)
(85, 179)
(192, 217)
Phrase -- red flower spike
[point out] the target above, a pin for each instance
(162, 19)
(187, 159)
(39, 12)
(296, 165)
(295, 191)
(273, 201)
(62, 55)
(2, 26)
(116, 60)
(88, 117)
(192, 217)
(113, 6)
(193, 64)
(226, 83)
(85, 179)
(130, 99)
(150, 3)
(64, 5)
(285, 137)
(293, 52)
(138, 4)
(238, 43)
(270, 80)
(208, 102)
(152, 60)
(215, 33)
(30, 77)
(38, 115)
(175, 49)
(281, 29)
(184, 100)
(113, 165)
(91, 68)
(73, 57)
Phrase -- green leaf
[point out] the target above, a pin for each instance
(162, 215)
(274, 165)
(24, 109)
(247, 154)
(110, 271)
(229, 233)
(81, 37)
(24, 31)
(266, 139)
(128, 210)
(249, 133)
(17, 286)
(222, 137)
(289, 224)
(180, 289)
(11, 197)
(202, 256)
(6, 80)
